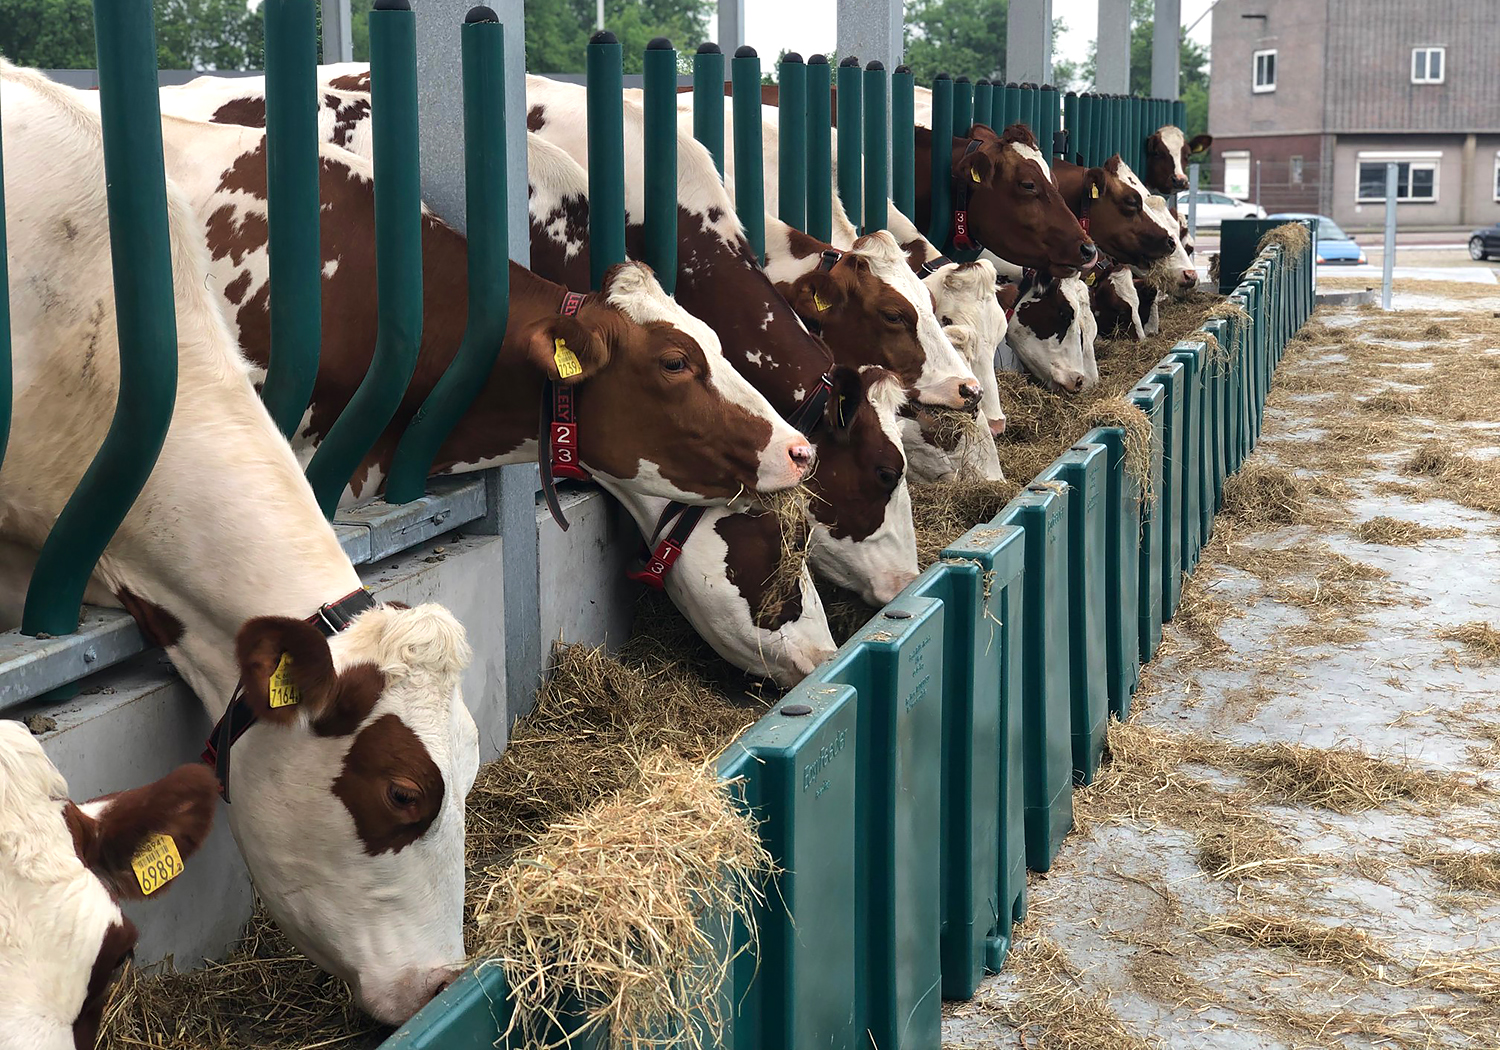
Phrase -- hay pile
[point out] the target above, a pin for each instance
(629, 909)
(1293, 239)
(1477, 636)
(1396, 532)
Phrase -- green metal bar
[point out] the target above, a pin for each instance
(296, 261)
(606, 137)
(1179, 112)
(791, 117)
(963, 107)
(903, 142)
(877, 148)
(660, 68)
(1010, 105)
(708, 101)
(486, 188)
(1048, 99)
(5, 360)
(749, 173)
(850, 126)
(819, 149)
(398, 254)
(145, 315)
(1070, 125)
(941, 217)
(984, 102)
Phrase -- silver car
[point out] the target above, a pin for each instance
(1214, 207)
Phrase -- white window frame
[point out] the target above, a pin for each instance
(1497, 175)
(1255, 85)
(1430, 159)
(1426, 52)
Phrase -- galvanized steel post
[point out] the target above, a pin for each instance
(850, 126)
(1388, 263)
(296, 262)
(708, 101)
(660, 65)
(903, 142)
(941, 162)
(606, 138)
(791, 118)
(984, 102)
(819, 149)
(398, 254)
(145, 316)
(486, 187)
(877, 146)
(749, 172)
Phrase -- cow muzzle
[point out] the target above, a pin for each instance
(394, 1001)
(955, 392)
(784, 464)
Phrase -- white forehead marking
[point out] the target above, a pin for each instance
(1033, 154)
(888, 263)
(1154, 206)
(1174, 140)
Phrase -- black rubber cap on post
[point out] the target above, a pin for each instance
(659, 43)
(392, 5)
(792, 57)
(709, 48)
(604, 36)
(904, 69)
(1011, 84)
(961, 80)
(818, 60)
(942, 76)
(981, 80)
(480, 14)
(745, 51)
(875, 64)
(849, 60)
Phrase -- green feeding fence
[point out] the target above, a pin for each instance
(906, 786)
(1102, 125)
(60, 640)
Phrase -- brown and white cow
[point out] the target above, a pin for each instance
(347, 805)
(1052, 333)
(64, 869)
(1167, 153)
(1116, 303)
(712, 437)
(1113, 205)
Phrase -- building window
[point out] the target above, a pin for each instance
(1497, 176)
(1295, 168)
(1265, 70)
(1237, 172)
(1416, 180)
(1427, 65)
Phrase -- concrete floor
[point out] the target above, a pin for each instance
(1118, 949)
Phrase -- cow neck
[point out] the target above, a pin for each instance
(962, 238)
(557, 434)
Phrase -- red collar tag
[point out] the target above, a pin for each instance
(961, 239)
(563, 446)
(654, 572)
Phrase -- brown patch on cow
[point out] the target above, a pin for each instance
(360, 686)
(246, 112)
(117, 947)
(390, 785)
(536, 118)
(336, 701)
(347, 115)
(1049, 314)
(858, 465)
(158, 626)
(916, 253)
(752, 564)
(351, 82)
(1007, 295)
(1118, 221)
(235, 290)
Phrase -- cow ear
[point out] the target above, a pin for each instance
(960, 335)
(564, 351)
(1200, 143)
(286, 670)
(1019, 133)
(814, 294)
(1095, 182)
(973, 167)
(133, 840)
(843, 401)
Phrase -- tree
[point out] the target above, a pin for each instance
(557, 31)
(190, 34)
(959, 37)
(1192, 60)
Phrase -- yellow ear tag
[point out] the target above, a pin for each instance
(281, 691)
(974, 175)
(842, 421)
(1094, 191)
(567, 361)
(1091, 278)
(156, 863)
(819, 303)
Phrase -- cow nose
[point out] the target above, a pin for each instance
(970, 392)
(801, 456)
(1189, 278)
(1088, 252)
(442, 986)
(997, 426)
(1180, 183)
(1076, 381)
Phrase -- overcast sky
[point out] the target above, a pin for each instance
(810, 26)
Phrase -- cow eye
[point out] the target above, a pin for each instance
(402, 796)
(893, 316)
(674, 363)
(888, 477)
(1028, 185)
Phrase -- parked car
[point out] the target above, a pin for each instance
(1485, 243)
(1335, 247)
(1215, 207)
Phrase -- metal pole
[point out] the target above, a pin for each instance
(708, 101)
(486, 182)
(1028, 41)
(819, 149)
(850, 146)
(1388, 264)
(1193, 169)
(941, 212)
(660, 68)
(398, 254)
(749, 172)
(877, 145)
(1257, 183)
(963, 107)
(599, 15)
(606, 138)
(145, 316)
(1112, 61)
(984, 101)
(791, 123)
(731, 25)
(903, 142)
(296, 261)
(1165, 48)
(338, 39)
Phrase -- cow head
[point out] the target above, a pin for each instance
(1119, 221)
(1181, 275)
(1116, 304)
(1053, 333)
(63, 870)
(348, 798)
(1015, 210)
(1167, 152)
(974, 320)
(863, 538)
(872, 310)
(663, 411)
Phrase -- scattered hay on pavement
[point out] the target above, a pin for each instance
(1396, 532)
(1349, 948)
(1477, 636)
(1266, 495)
(1473, 870)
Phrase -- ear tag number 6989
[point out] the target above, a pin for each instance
(156, 863)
